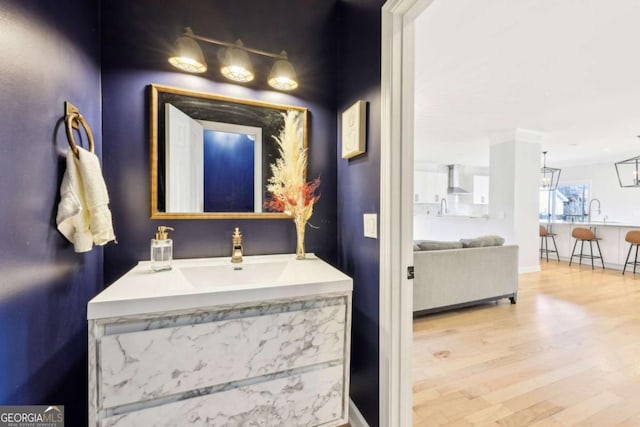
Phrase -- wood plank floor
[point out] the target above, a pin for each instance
(567, 354)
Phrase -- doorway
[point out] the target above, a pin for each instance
(396, 210)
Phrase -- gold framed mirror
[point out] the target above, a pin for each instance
(210, 155)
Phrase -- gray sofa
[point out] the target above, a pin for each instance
(452, 278)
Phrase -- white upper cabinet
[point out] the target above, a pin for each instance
(429, 187)
(480, 190)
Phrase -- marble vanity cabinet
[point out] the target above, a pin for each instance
(207, 345)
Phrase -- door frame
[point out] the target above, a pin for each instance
(396, 210)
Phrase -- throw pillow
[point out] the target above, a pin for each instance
(482, 241)
(435, 245)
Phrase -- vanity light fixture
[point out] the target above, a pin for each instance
(549, 177)
(282, 75)
(235, 62)
(629, 172)
(188, 56)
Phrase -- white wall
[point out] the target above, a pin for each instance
(455, 228)
(619, 204)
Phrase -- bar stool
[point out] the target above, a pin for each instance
(585, 235)
(632, 237)
(544, 243)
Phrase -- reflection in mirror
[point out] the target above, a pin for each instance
(211, 155)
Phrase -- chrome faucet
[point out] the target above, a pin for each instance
(236, 252)
(445, 210)
(598, 211)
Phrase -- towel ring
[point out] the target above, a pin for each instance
(69, 123)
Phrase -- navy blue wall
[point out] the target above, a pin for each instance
(50, 53)
(136, 39)
(359, 192)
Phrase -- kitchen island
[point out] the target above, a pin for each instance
(614, 247)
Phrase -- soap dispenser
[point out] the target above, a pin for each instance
(161, 250)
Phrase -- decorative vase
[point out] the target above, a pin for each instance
(300, 226)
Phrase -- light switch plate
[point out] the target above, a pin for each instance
(371, 225)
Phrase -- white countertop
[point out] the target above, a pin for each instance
(206, 282)
(591, 224)
(455, 216)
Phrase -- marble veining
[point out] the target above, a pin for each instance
(93, 372)
(309, 399)
(211, 314)
(133, 365)
(216, 389)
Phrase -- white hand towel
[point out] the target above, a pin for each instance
(73, 216)
(96, 197)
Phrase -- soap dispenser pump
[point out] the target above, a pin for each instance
(161, 250)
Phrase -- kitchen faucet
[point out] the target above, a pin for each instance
(590, 203)
(445, 210)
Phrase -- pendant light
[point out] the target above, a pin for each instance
(629, 172)
(549, 177)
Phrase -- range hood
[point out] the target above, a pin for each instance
(453, 186)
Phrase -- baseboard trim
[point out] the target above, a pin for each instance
(355, 417)
(529, 269)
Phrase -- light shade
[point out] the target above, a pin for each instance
(187, 56)
(236, 64)
(628, 172)
(282, 75)
(549, 177)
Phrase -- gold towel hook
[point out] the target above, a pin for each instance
(69, 122)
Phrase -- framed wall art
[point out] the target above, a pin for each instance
(354, 130)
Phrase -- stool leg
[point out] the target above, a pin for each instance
(573, 252)
(553, 239)
(635, 262)
(600, 252)
(581, 250)
(626, 261)
(591, 252)
(546, 244)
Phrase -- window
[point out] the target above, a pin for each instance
(569, 202)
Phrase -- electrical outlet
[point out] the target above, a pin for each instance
(371, 225)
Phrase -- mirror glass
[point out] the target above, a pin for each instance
(211, 154)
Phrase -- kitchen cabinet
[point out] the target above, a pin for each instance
(480, 190)
(609, 244)
(429, 187)
(563, 239)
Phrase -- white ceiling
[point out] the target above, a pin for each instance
(567, 68)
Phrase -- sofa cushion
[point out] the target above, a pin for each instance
(482, 241)
(434, 245)
(416, 246)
